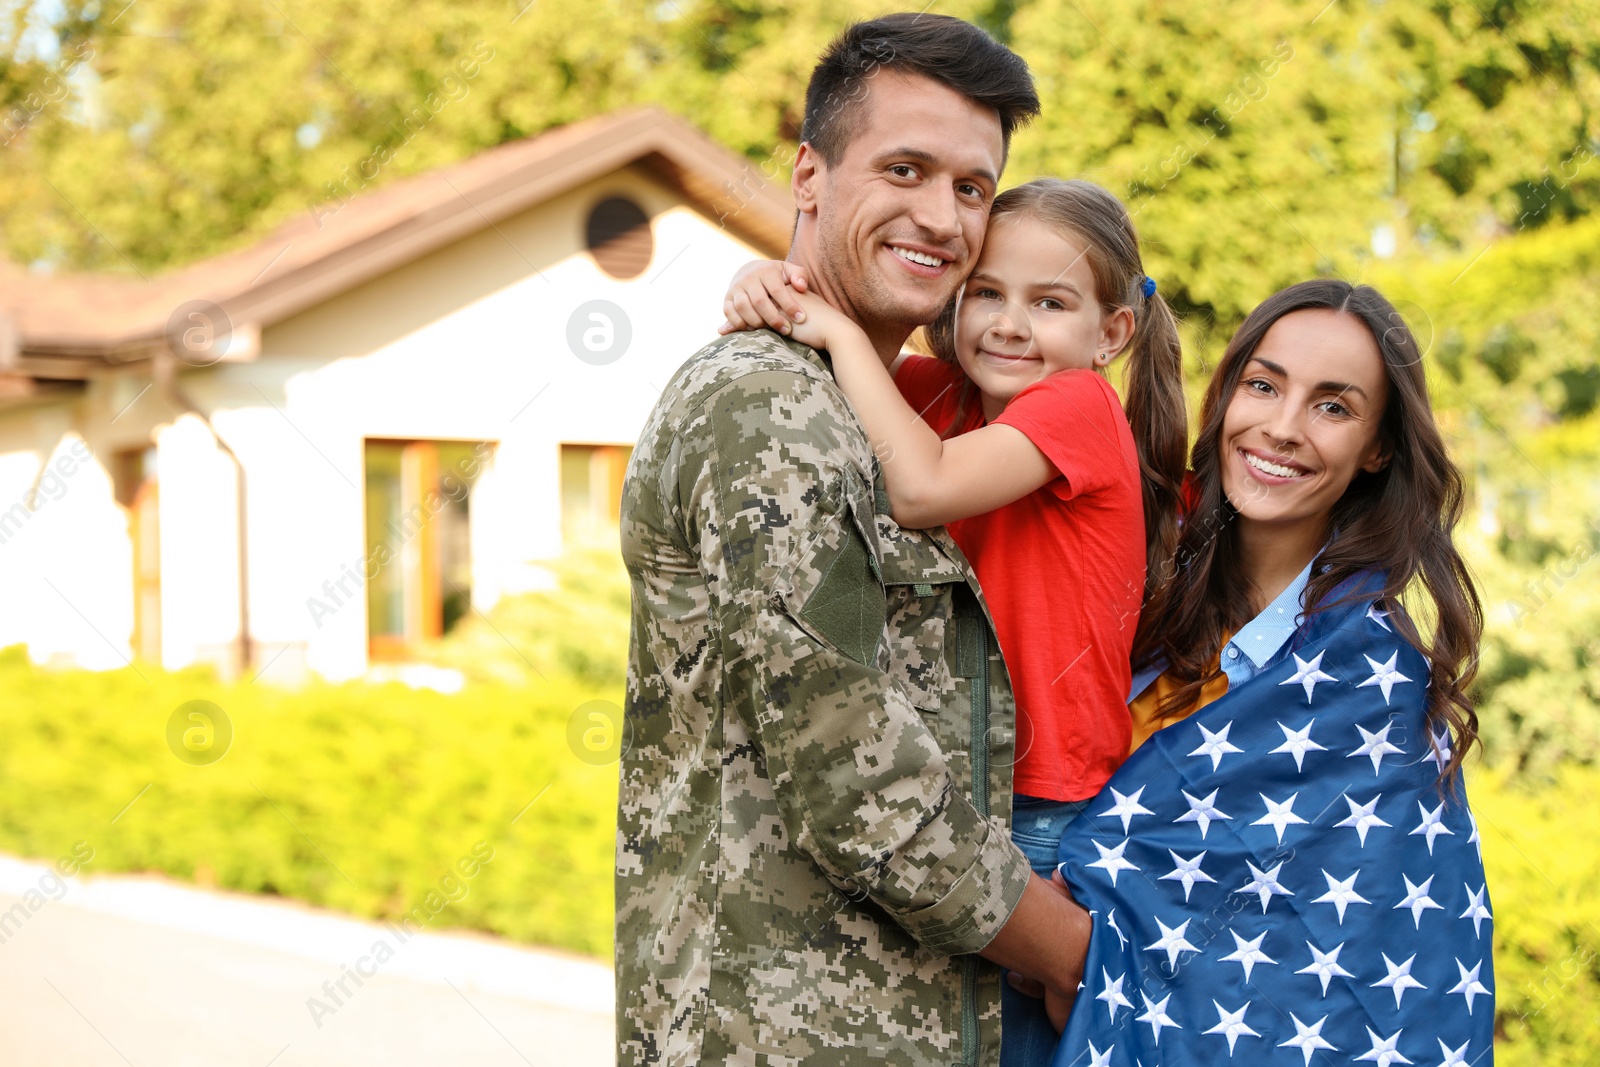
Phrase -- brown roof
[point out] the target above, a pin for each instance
(64, 325)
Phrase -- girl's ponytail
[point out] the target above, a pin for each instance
(1160, 423)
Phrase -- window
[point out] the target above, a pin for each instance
(419, 544)
(618, 236)
(591, 491)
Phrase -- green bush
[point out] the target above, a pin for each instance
(578, 627)
(358, 797)
(1543, 863)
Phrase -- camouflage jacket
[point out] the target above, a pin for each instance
(816, 781)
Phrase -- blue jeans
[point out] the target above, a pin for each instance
(1026, 1037)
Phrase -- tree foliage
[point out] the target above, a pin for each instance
(1258, 143)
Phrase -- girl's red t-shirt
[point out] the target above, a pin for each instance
(1062, 569)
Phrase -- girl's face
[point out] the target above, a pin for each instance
(1304, 418)
(1029, 309)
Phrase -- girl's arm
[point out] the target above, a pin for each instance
(930, 481)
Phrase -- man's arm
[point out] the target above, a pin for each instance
(1046, 938)
(860, 780)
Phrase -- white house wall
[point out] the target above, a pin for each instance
(199, 546)
(65, 560)
(467, 343)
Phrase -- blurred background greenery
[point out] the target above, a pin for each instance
(1443, 151)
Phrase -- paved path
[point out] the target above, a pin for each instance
(130, 971)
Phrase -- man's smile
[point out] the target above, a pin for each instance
(920, 261)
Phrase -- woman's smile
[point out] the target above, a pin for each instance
(1273, 470)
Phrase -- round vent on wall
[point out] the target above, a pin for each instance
(618, 235)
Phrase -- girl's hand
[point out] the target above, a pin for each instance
(764, 293)
(821, 325)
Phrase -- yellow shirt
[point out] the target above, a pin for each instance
(1142, 708)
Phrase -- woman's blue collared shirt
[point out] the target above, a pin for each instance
(1256, 642)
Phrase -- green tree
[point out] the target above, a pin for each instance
(1262, 145)
(208, 122)
(1259, 143)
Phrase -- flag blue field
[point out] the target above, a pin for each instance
(1279, 878)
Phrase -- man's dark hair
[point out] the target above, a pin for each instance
(946, 49)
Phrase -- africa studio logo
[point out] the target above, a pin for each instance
(599, 332)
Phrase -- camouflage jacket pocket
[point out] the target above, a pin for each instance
(835, 591)
(919, 579)
(914, 653)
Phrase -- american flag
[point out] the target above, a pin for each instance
(1279, 879)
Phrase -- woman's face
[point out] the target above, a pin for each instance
(1304, 418)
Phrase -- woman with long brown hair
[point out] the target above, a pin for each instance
(1298, 738)
(1396, 517)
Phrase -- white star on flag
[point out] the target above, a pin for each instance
(1469, 986)
(1432, 824)
(1186, 871)
(1362, 817)
(1341, 894)
(1308, 1039)
(1231, 1024)
(1325, 965)
(1475, 909)
(1155, 1015)
(1172, 942)
(1399, 979)
(1378, 616)
(1202, 811)
(1111, 921)
(1417, 900)
(1308, 674)
(1127, 806)
(1297, 743)
(1265, 883)
(1111, 860)
(1473, 840)
(1279, 814)
(1247, 953)
(1098, 1058)
(1439, 752)
(1383, 1049)
(1376, 745)
(1453, 1057)
(1384, 676)
(1215, 745)
(1112, 994)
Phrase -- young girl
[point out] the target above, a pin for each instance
(1023, 451)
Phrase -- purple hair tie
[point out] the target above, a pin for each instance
(1148, 287)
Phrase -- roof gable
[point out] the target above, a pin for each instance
(66, 326)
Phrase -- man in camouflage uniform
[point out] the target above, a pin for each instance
(812, 845)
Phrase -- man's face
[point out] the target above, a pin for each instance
(900, 217)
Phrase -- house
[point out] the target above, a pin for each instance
(318, 451)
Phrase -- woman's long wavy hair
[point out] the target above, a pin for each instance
(1094, 218)
(1397, 522)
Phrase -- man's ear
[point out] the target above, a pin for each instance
(808, 167)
